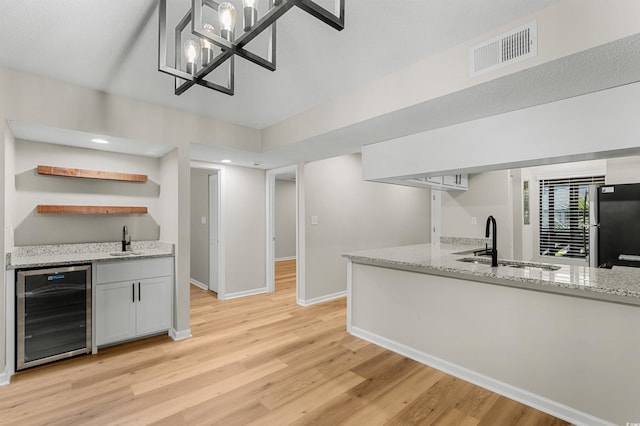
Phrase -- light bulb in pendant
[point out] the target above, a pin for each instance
(207, 46)
(191, 53)
(250, 9)
(227, 16)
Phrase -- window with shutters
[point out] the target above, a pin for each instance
(564, 215)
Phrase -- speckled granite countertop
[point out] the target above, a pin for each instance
(620, 284)
(65, 254)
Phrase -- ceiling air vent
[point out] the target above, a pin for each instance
(507, 48)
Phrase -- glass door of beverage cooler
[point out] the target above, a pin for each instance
(53, 314)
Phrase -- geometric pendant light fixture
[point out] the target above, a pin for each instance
(207, 38)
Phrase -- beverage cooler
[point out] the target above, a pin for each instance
(53, 314)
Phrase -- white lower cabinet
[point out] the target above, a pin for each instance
(133, 299)
(153, 309)
(115, 312)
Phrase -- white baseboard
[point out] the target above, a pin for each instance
(538, 402)
(199, 284)
(321, 299)
(180, 335)
(5, 377)
(285, 258)
(245, 293)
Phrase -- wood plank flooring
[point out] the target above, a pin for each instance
(260, 360)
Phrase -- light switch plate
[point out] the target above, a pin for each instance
(204, 220)
(314, 220)
(474, 220)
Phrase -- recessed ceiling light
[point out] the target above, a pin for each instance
(226, 161)
(99, 140)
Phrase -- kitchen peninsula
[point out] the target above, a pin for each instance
(564, 340)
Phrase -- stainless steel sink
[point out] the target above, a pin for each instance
(480, 260)
(126, 253)
(510, 263)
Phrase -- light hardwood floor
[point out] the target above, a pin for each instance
(260, 360)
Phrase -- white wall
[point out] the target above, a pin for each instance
(9, 198)
(174, 228)
(200, 231)
(594, 126)
(487, 194)
(285, 219)
(6, 141)
(169, 215)
(168, 195)
(517, 212)
(301, 262)
(528, 248)
(42, 101)
(623, 170)
(244, 210)
(352, 215)
(32, 189)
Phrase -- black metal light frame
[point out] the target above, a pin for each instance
(277, 8)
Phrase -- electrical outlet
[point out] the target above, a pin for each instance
(314, 220)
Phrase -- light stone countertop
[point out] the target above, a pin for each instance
(620, 284)
(66, 254)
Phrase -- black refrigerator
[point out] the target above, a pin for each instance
(618, 229)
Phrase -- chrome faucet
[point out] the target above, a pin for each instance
(491, 221)
(126, 239)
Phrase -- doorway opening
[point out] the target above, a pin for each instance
(207, 242)
(282, 228)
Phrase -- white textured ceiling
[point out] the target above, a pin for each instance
(111, 45)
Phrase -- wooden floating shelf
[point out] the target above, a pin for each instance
(53, 209)
(90, 174)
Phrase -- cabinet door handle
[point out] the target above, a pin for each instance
(139, 293)
(133, 293)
